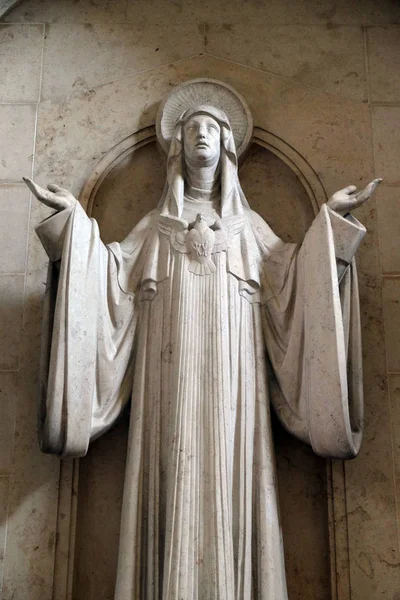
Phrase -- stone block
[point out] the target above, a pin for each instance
(111, 52)
(386, 136)
(384, 63)
(20, 62)
(11, 295)
(394, 389)
(67, 11)
(269, 12)
(330, 59)
(391, 311)
(17, 127)
(8, 400)
(388, 206)
(14, 218)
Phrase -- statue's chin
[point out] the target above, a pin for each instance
(203, 157)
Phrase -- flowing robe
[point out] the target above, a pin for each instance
(201, 357)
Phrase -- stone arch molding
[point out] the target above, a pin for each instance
(6, 6)
(289, 155)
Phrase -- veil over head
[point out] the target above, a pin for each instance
(232, 197)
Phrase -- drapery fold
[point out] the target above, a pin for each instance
(88, 328)
(313, 338)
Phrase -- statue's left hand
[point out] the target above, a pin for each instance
(348, 198)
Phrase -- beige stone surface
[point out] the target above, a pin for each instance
(394, 389)
(332, 133)
(81, 11)
(330, 59)
(266, 12)
(31, 532)
(124, 198)
(371, 506)
(20, 62)
(111, 52)
(391, 311)
(14, 217)
(388, 206)
(17, 126)
(275, 192)
(29, 560)
(386, 135)
(370, 496)
(4, 493)
(384, 63)
(8, 401)
(11, 298)
(271, 12)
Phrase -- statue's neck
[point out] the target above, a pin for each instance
(202, 182)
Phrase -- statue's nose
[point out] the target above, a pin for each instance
(202, 132)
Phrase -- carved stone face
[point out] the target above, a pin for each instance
(201, 140)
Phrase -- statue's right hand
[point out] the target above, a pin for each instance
(55, 196)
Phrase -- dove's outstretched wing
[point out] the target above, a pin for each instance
(226, 229)
(176, 229)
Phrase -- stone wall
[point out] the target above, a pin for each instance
(76, 77)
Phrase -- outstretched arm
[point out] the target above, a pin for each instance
(312, 329)
(52, 230)
(347, 230)
(88, 334)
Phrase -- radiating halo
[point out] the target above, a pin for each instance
(205, 91)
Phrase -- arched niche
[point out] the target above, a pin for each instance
(282, 187)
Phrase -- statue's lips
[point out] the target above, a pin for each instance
(202, 145)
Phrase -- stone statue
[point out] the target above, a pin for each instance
(200, 318)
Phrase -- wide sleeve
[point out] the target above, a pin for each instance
(312, 332)
(88, 336)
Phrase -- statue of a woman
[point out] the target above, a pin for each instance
(200, 317)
